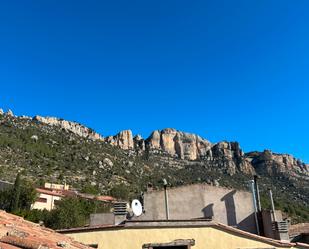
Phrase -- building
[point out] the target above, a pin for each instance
(200, 201)
(197, 201)
(174, 234)
(5, 185)
(52, 193)
(300, 232)
(15, 232)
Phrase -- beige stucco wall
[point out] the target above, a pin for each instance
(227, 206)
(49, 205)
(134, 238)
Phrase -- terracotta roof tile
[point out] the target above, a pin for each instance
(66, 193)
(7, 246)
(15, 232)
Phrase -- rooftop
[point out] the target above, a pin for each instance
(183, 223)
(15, 232)
(68, 193)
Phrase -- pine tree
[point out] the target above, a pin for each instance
(16, 194)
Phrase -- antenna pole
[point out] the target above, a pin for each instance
(252, 186)
(166, 199)
(257, 191)
(272, 204)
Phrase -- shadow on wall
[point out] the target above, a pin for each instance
(246, 224)
(230, 208)
(208, 211)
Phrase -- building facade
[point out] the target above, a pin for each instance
(199, 201)
(173, 234)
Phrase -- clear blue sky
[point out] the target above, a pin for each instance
(227, 70)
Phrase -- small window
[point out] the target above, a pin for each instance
(56, 202)
(40, 199)
(170, 247)
(176, 244)
(93, 245)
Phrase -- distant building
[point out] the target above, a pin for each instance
(5, 185)
(53, 193)
(56, 186)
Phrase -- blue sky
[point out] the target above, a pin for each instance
(227, 70)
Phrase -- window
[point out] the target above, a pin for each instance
(170, 247)
(56, 202)
(40, 199)
(93, 245)
(176, 244)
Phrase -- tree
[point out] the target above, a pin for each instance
(69, 212)
(90, 189)
(5, 199)
(14, 207)
(28, 195)
(120, 191)
(19, 197)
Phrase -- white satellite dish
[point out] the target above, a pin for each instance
(137, 207)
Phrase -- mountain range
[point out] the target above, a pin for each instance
(57, 150)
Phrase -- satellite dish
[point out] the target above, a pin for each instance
(137, 207)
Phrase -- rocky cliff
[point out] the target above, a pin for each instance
(55, 150)
(186, 146)
(74, 127)
(224, 154)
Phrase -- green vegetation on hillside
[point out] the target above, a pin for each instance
(60, 156)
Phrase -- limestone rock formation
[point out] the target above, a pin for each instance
(123, 139)
(139, 143)
(10, 113)
(154, 141)
(74, 127)
(180, 144)
(271, 163)
(226, 156)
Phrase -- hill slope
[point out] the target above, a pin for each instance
(50, 149)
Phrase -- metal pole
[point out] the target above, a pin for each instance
(251, 182)
(272, 204)
(166, 199)
(257, 191)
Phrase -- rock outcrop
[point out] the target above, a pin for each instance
(180, 144)
(10, 113)
(139, 143)
(123, 139)
(270, 163)
(74, 127)
(225, 155)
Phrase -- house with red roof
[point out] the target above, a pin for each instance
(50, 194)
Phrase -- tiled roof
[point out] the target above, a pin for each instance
(15, 232)
(66, 193)
(56, 192)
(104, 198)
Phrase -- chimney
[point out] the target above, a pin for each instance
(274, 226)
(120, 212)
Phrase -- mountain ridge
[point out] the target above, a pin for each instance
(184, 145)
(65, 151)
